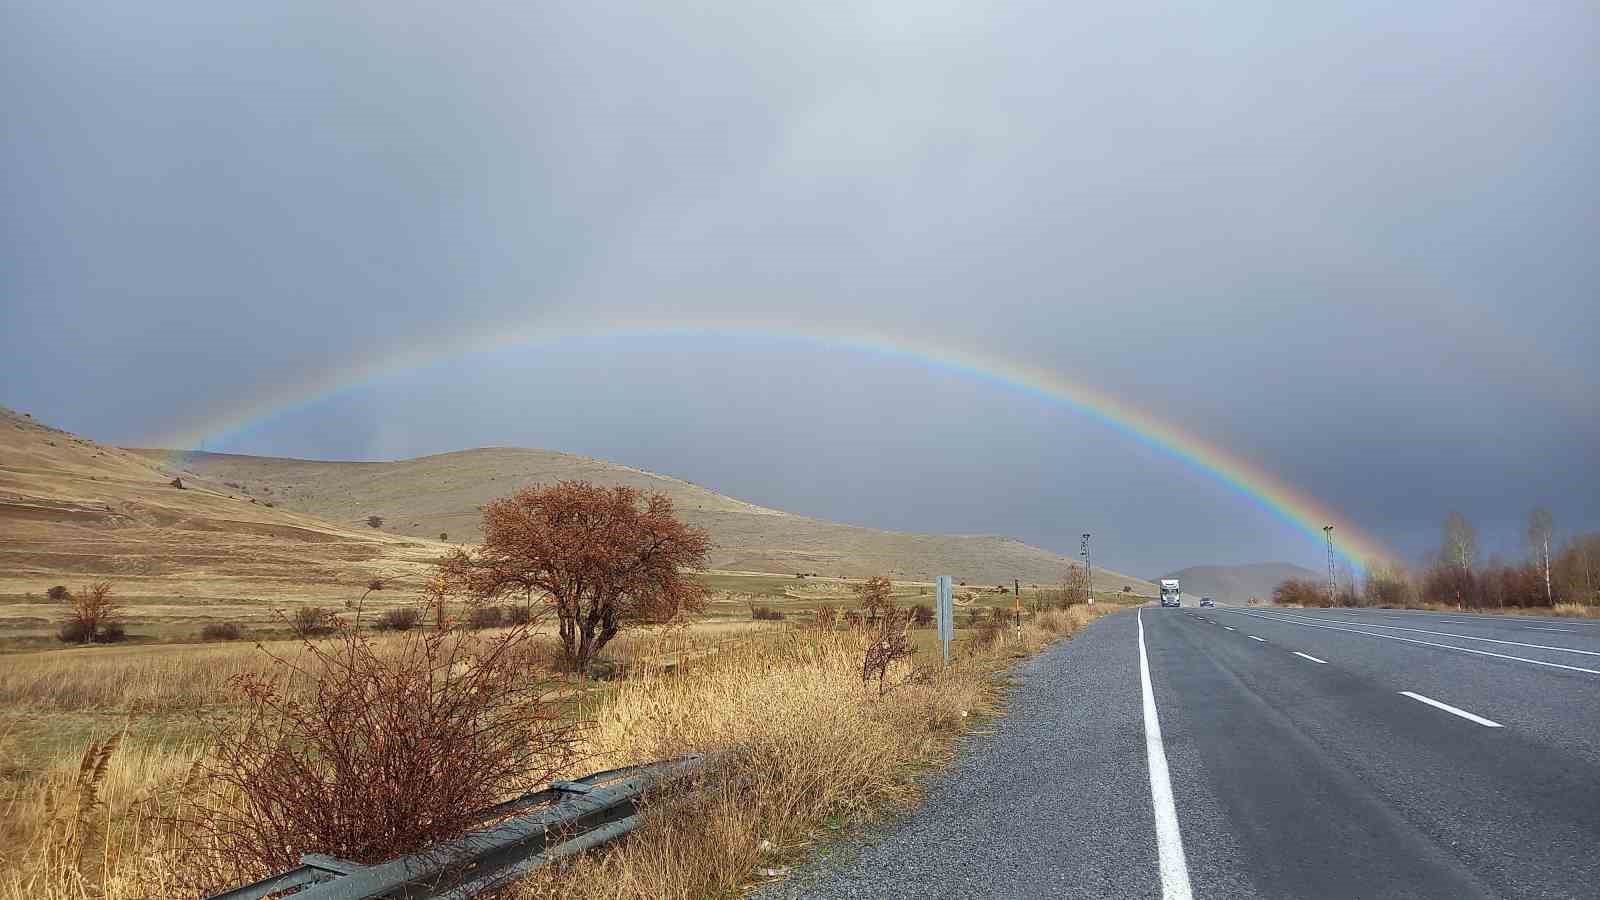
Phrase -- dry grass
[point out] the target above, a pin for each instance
(804, 743)
(1575, 611)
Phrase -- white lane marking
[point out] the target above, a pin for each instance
(1487, 723)
(1468, 637)
(1254, 638)
(1310, 657)
(1390, 637)
(1229, 627)
(1169, 840)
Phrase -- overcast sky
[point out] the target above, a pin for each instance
(1352, 242)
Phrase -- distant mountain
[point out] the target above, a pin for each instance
(1237, 584)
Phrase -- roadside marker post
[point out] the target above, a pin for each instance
(944, 615)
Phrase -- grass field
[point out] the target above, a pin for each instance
(157, 699)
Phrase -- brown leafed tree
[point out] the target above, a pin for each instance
(90, 610)
(602, 558)
(874, 594)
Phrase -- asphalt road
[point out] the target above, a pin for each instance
(1282, 753)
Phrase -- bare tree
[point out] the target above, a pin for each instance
(602, 558)
(1541, 527)
(1459, 548)
(90, 611)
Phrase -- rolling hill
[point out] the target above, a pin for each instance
(1237, 584)
(424, 497)
(245, 534)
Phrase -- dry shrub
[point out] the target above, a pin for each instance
(310, 621)
(763, 613)
(401, 618)
(485, 617)
(1575, 611)
(826, 617)
(366, 755)
(1300, 592)
(889, 644)
(221, 631)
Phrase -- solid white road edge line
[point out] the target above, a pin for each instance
(1310, 657)
(1390, 637)
(1254, 638)
(1229, 627)
(1487, 723)
(1169, 840)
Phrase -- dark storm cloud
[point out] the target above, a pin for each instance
(1352, 242)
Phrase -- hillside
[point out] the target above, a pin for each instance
(1237, 584)
(73, 510)
(432, 495)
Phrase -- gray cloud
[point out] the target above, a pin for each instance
(1351, 242)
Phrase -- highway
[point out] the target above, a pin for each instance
(1260, 752)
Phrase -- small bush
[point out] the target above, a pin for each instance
(1300, 592)
(485, 617)
(221, 631)
(58, 593)
(519, 615)
(444, 536)
(826, 617)
(766, 614)
(177, 483)
(374, 521)
(402, 618)
(111, 633)
(922, 615)
(72, 632)
(310, 621)
(329, 772)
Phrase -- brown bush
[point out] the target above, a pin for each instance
(485, 617)
(91, 613)
(1300, 592)
(374, 521)
(389, 751)
(826, 617)
(922, 615)
(763, 613)
(603, 562)
(221, 631)
(401, 618)
(57, 593)
(874, 594)
(310, 621)
(519, 614)
(889, 643)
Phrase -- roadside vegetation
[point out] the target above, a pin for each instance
(140, 771)
(1561, 579)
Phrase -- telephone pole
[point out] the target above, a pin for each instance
(1088, 568)
(1333, 586)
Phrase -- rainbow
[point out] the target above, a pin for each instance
(1296, 508)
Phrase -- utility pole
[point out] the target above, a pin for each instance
(1088, 568)
(1333, 586)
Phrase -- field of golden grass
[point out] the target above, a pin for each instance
(93, 742)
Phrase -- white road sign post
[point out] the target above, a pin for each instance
(945, 615)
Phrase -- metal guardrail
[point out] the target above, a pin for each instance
(564, 819)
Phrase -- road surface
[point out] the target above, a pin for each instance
(1267, 753)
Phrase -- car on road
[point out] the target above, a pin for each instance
(1207, 602)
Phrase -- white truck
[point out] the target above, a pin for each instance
(1169, 592)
